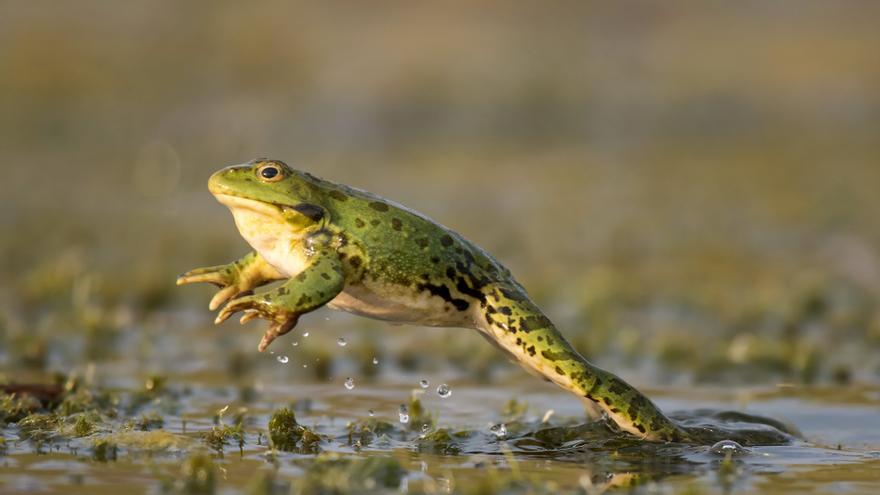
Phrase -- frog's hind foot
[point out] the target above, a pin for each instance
(706, 427)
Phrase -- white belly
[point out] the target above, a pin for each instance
(399, 304)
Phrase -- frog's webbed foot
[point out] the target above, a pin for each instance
(315, 286)
(235, 279)
(281, 321)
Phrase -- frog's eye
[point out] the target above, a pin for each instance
(270, 172)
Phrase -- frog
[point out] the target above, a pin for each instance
(334, 245)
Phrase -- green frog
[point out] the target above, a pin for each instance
(351, 250)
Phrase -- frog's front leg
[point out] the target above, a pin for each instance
(316, 285)
(234, 279)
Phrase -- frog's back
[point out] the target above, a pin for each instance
(411, 259)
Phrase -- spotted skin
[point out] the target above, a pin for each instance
(357, 252)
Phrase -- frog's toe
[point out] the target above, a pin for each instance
(212, 275)
(248, 316)
(236, 305)
(226, 294)
(275, 330)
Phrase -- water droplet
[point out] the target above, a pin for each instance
(728, 447)
(305, 366)
(341, 342)
(444, 391)
(294, 343)
(426, 428)
(283, 359)
(424, 383)
(404, 414)
(499, 430)
(371, 413)
(375, 360)
(349, 383)
(305, 334)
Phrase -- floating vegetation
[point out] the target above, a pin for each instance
(287, 435)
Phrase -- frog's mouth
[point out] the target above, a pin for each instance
(238, 203)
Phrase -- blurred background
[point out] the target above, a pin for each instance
(691, 191)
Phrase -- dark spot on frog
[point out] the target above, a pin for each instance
(304, 299)
(531, 350)
(355, 261)
(396, 224)
(338, 195)
(312, 212)
(359, 223)
(534, 322)
(378, 206)
(301, 276)
(617, 387)
(422, 242)
(450, 272)
(640, 427)
(283, 291)
(505, 310)
(559, 371)
(446, 240)
(443, 292)
(435, 259)
(375, 222)
(325, 276)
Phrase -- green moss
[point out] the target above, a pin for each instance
(39, 427)
(419, 417)
(104, 450)
(15, 407)
(363, 433)
(199, 474)
(220, 436)
(153, 441)
(83, 426)
(331, 473)
(287, 435)
(439, 441)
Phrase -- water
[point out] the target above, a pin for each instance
(424, 383)
(349, 383)
(444, 391)
(499, 430)
(341, 342)
(403, 414)
(282, 359)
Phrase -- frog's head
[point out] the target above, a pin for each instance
(267, 192)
